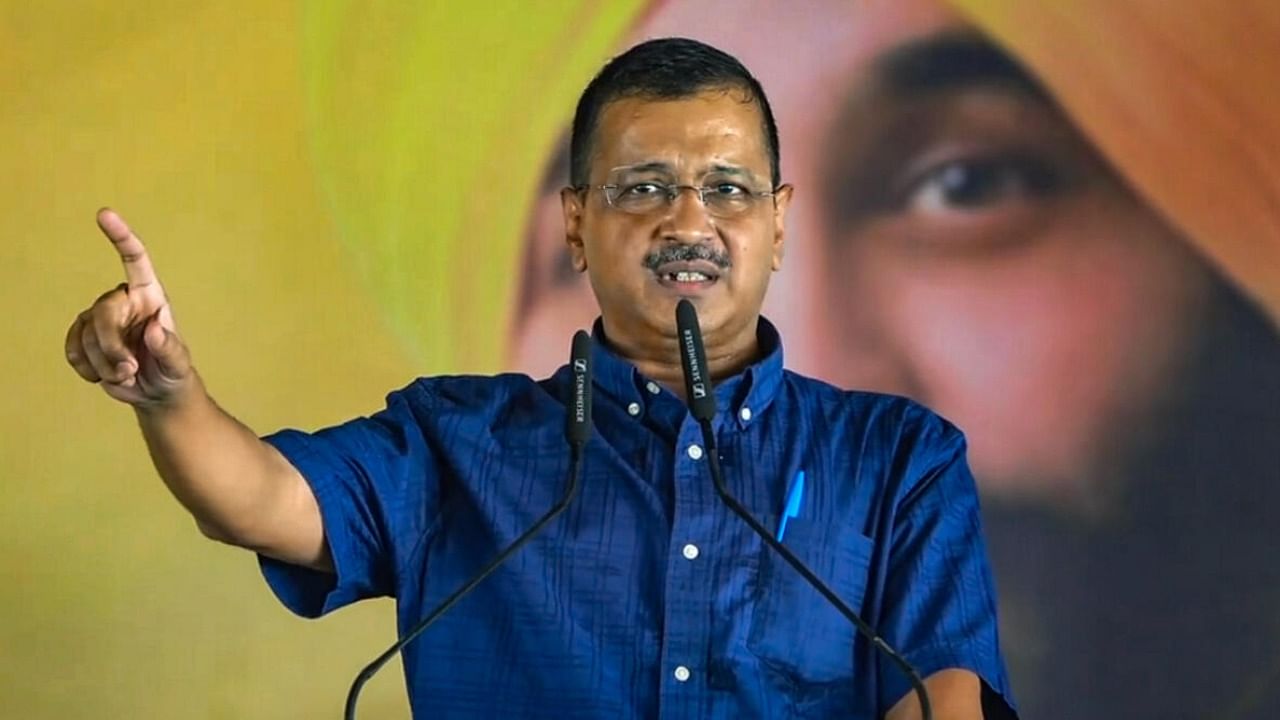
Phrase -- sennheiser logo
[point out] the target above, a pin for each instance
(580, 365)
(696, 386)
(580, 397)
(691, 355)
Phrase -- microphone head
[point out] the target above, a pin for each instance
(693, 357)
(578, 418)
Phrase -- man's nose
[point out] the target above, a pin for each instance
(687, 220)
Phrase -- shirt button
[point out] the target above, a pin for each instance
(633, 409)
(682, 673)
(695, 452)
(690, 552)
(745, 414)
(653, 388)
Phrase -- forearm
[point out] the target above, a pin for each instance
(239, 489)
(953, 695)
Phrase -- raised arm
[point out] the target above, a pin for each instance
(239, 489)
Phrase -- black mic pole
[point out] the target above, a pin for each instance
(577, 431)
(702, 404)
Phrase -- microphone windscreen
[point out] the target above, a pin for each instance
(578, 419)
(693, 356)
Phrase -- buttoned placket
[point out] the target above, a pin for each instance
(686, 639)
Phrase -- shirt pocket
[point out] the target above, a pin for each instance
(794, 629)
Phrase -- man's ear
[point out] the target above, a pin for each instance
(571, 203)
(781, 201)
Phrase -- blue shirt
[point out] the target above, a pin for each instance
(648, 598)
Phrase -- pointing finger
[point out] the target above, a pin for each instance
(137, 264)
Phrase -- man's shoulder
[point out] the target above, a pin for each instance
(855, 398)
(873, 411)
(473, 393)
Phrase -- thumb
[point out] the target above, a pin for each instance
(172, 360)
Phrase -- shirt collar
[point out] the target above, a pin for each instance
(741, 399)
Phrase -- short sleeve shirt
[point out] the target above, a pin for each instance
(647, 597)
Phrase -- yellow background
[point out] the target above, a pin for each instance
(331, 192)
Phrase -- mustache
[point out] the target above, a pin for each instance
(685, 253)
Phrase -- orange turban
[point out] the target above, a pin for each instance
(1180, 96)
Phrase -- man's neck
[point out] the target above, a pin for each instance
(659, 358)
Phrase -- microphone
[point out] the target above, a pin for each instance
(577, 422)
(702, 405)
(577, 431)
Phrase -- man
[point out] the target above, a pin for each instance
(647, 597)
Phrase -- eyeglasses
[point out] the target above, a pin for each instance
(722, 199)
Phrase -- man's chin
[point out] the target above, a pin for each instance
(709, 304)
(656, 311)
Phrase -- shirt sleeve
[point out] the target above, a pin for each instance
(940, 608)
(375, 480)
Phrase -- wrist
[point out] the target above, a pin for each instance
(182, 398)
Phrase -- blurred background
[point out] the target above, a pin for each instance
(1057, 224)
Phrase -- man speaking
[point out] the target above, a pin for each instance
(648, 597)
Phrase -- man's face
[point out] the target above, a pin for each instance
(641, 263)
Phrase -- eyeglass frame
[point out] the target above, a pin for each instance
(673, 192)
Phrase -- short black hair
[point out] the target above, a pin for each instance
(664, 69)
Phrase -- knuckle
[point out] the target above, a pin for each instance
(105, 296)
(113, 297)
(106, 312)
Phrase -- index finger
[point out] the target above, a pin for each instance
(137, 264)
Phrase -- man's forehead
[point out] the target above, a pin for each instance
(705, 114)
(662, 167)
(698, 132)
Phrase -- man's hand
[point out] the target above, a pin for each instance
(127, 341)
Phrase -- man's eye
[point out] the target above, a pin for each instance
(971, 185)
(728, 190)
(641, 189)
